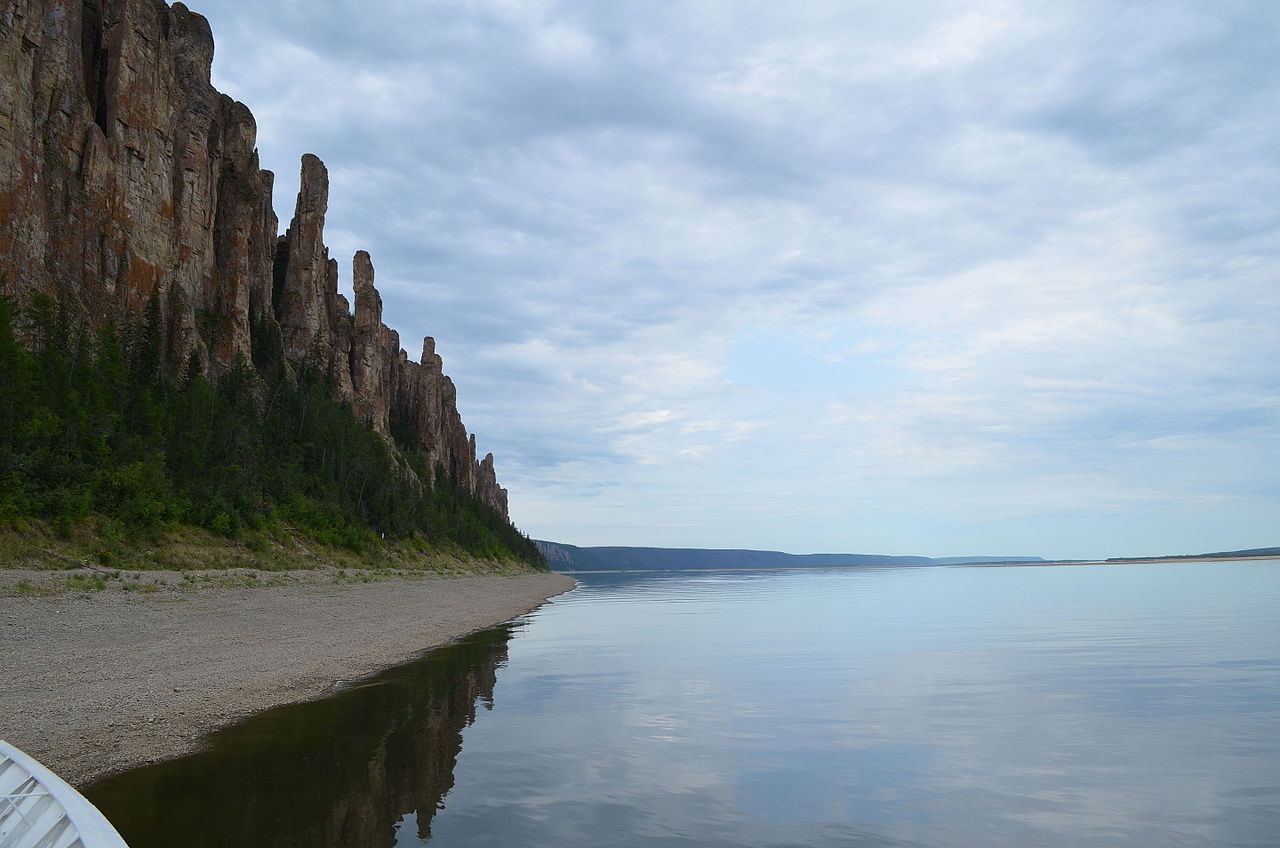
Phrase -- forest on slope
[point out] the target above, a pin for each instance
(99, 442)
(170, 362)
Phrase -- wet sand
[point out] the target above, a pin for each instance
(102, 681)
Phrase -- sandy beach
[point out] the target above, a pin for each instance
(101, 681)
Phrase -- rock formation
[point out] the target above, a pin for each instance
(124, 174)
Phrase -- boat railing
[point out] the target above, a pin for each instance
(38, 808)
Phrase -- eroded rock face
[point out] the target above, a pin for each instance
(372, 355)
(300, 307)
(315, 320)
(123, 173)
(426, 400)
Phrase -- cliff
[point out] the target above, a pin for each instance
(125, 175)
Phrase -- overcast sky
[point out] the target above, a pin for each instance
(921, 277)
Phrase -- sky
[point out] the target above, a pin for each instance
(922, 277)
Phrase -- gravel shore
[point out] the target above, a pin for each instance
(101, 681)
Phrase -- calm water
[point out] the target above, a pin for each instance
(1134, 705)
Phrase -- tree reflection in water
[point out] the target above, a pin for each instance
(342, 771)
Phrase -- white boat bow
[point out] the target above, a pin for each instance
(38, 809)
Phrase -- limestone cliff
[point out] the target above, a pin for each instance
(124, 174)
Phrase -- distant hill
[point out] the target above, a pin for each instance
(971, 560)
(1248, 552)
(563, 557)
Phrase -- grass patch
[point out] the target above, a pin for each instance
(27, 589)
(180, 559)
(37, 546)
(85, 582)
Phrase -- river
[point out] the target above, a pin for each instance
(1117, 705)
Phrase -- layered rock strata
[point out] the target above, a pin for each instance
(125, 175)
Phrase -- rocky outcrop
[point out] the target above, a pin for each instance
(125, 175)
(315, 320)
(374, 349)
(123, 172)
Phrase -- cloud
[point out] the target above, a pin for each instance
(1015, 258)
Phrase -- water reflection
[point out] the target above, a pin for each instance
(365, 767)
(1097, 707)
(1084, 706)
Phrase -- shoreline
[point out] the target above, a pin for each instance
(1132, 560)
(110, 680)
(1048, 562)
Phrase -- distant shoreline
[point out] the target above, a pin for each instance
(110, 680)
(1135, 560)
(1037, 564)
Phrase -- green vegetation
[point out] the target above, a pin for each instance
(1264, 553)
(26, 588)
(83, 581)
(95, 433)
